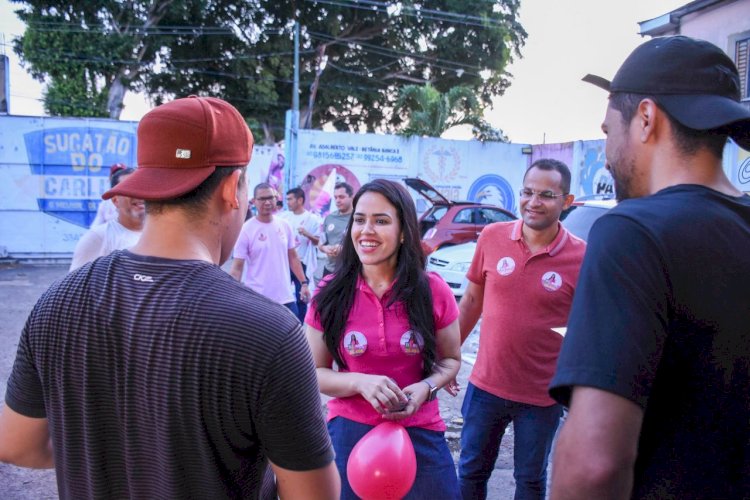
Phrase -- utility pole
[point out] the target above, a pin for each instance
(292, 119)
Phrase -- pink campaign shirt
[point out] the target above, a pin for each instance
(265, 247)
(378, 341)
(525, 296)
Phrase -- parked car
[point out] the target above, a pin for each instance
(452, 263)
(449, 222)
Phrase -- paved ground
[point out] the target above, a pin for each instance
(20, 286)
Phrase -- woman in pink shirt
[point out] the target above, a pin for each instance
(392, 330)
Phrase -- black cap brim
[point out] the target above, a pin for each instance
(597, 80)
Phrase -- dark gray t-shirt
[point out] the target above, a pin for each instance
(167, 379)
(334, 230)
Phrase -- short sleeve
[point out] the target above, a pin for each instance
(311, 316)
(24, 392)
(445, 309)
(241, 247)
(476, 269)
(618, 320)
(88, 248)
(291, 237)
(289, 391)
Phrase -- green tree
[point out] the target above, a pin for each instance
(429, 112)
(242, 51)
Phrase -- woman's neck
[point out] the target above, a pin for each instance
(379, 278)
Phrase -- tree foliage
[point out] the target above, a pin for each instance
(430, 113)
(242, 51)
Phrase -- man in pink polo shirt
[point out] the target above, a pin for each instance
(522, 281)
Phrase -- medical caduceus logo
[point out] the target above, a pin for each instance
(441, 164)
(743, 173)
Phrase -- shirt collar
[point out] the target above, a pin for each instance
(554, 247)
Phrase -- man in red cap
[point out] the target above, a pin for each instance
(655, 365)
(151, 373)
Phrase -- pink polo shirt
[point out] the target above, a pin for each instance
(378, 341)
(524, 297)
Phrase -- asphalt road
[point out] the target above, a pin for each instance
(21, 286)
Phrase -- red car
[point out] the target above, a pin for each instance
(448, 222)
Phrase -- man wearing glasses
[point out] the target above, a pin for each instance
(521, 280)
(267, 244)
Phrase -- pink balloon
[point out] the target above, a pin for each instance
(382, 465)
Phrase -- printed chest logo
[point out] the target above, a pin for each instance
(355, 343)
(330, 227)
(143, 278)
(262, 237)
(506, 266)
(411, 342)
(551, 281)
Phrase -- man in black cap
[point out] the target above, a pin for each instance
(655, 366)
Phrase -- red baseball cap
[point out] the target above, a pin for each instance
(181, 143)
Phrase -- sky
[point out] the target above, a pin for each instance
(546, 103)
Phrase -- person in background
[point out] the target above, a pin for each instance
(655, 365)
(334, 225)
(392, 330)
(116, 234)
(265, 252)
(306, 225)
(521, 281)
(151, 373)
(106, 211)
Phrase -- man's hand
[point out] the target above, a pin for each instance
(304, 293)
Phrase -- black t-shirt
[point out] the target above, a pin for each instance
(661, 316)
(167, 379)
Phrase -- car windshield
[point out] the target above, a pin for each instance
(580, 219)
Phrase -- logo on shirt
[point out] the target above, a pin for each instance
(262, 237)
(355, 343)
(411, 342)
(551, 281)
(506, 266)
(143, 278)
(330, 227)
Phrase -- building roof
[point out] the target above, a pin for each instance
(670, 21)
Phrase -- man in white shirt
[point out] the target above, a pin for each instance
(307, 227)
(117, 234)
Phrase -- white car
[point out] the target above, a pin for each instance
(453, 262)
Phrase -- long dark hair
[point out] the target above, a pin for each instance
(334, 301)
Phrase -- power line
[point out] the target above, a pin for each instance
(376, 49)
(430, 14)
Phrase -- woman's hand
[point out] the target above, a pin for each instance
(417, 394)
(380, 391)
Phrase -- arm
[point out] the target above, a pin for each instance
(296, 267)
(317, 484)
(597, 447)
(470, 309)
(238, 265)
(307, 234)
(380, 391)
(25, 441)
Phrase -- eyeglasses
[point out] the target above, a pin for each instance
(543, 195)
(265, 199)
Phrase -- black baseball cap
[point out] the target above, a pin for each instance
(695, 82)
